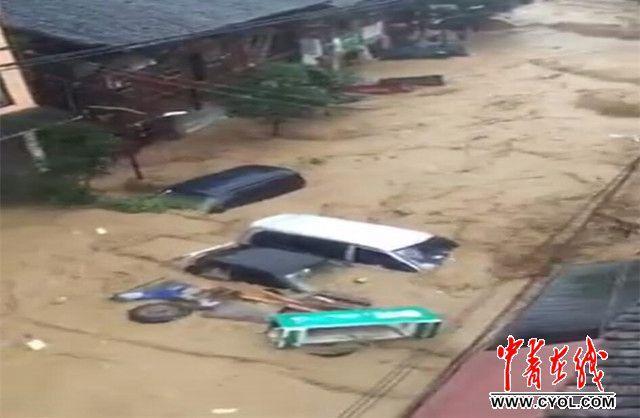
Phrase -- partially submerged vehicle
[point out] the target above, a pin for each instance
(269, 267)
(424, 50)
(420, 80)
(357, 242)
(168, 290)
(297, 329)
(379, 88)
(237, 186)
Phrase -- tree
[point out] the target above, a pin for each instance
(276, 92)
(74, 153)
(332, 80)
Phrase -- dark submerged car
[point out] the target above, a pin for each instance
(237, 186)
(269, 267)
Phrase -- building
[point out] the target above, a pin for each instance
(145, 54)
(174, 43)
(14, 93)
(20, 117)
(151, 57)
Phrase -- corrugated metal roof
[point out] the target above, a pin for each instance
(621, 340)
(579, 301)
(116, 22)
(387, 238)
(465, 394)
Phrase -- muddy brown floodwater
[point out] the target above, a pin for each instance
(500, 160)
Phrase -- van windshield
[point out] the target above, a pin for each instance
(429, 253)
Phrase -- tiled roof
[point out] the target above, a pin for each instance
(116, 22)
(621, 340)
(578, 302)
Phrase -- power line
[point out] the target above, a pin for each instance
(224, 89)
(90, 52)
(41, 127)
(185, 86)
(166, 82)
(188, 85)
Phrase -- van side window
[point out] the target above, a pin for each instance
(321, 247)
(325, 248)
(272, 240)
(377, 258)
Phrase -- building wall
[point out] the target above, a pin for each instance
(177, 80)
(15, 94)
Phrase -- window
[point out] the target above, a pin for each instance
(330, 249)
(5, 98)
(431, 252)
(377, 258)
(260, 190)
(371, 257)
(271, 240)
(254, 276)
(317, 246)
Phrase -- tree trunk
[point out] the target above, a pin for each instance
(135, 165)
(195, 99)
(70, 96)
(275, 127)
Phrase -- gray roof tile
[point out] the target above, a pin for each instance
(117, 22)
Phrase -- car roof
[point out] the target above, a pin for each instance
(272, 260)
(231, 179)
(387, 238)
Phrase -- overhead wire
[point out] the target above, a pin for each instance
(104, 50)
(218, 88)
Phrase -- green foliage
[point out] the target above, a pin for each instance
(74, 153)
(62, 190)
(277, 92)
(77, 150)
(329, 79)
(149, 203)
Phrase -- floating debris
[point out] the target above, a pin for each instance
(35, 344)
(60, 300)
(224, 411)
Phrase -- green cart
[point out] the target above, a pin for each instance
(297, 329)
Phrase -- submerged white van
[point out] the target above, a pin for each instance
(351, 241)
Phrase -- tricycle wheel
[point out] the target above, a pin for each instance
(156, 313)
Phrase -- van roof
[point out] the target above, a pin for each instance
(387, 238)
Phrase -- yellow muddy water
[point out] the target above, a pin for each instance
(499, 159)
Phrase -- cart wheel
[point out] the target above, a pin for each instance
(156, 313)
(333, 350)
